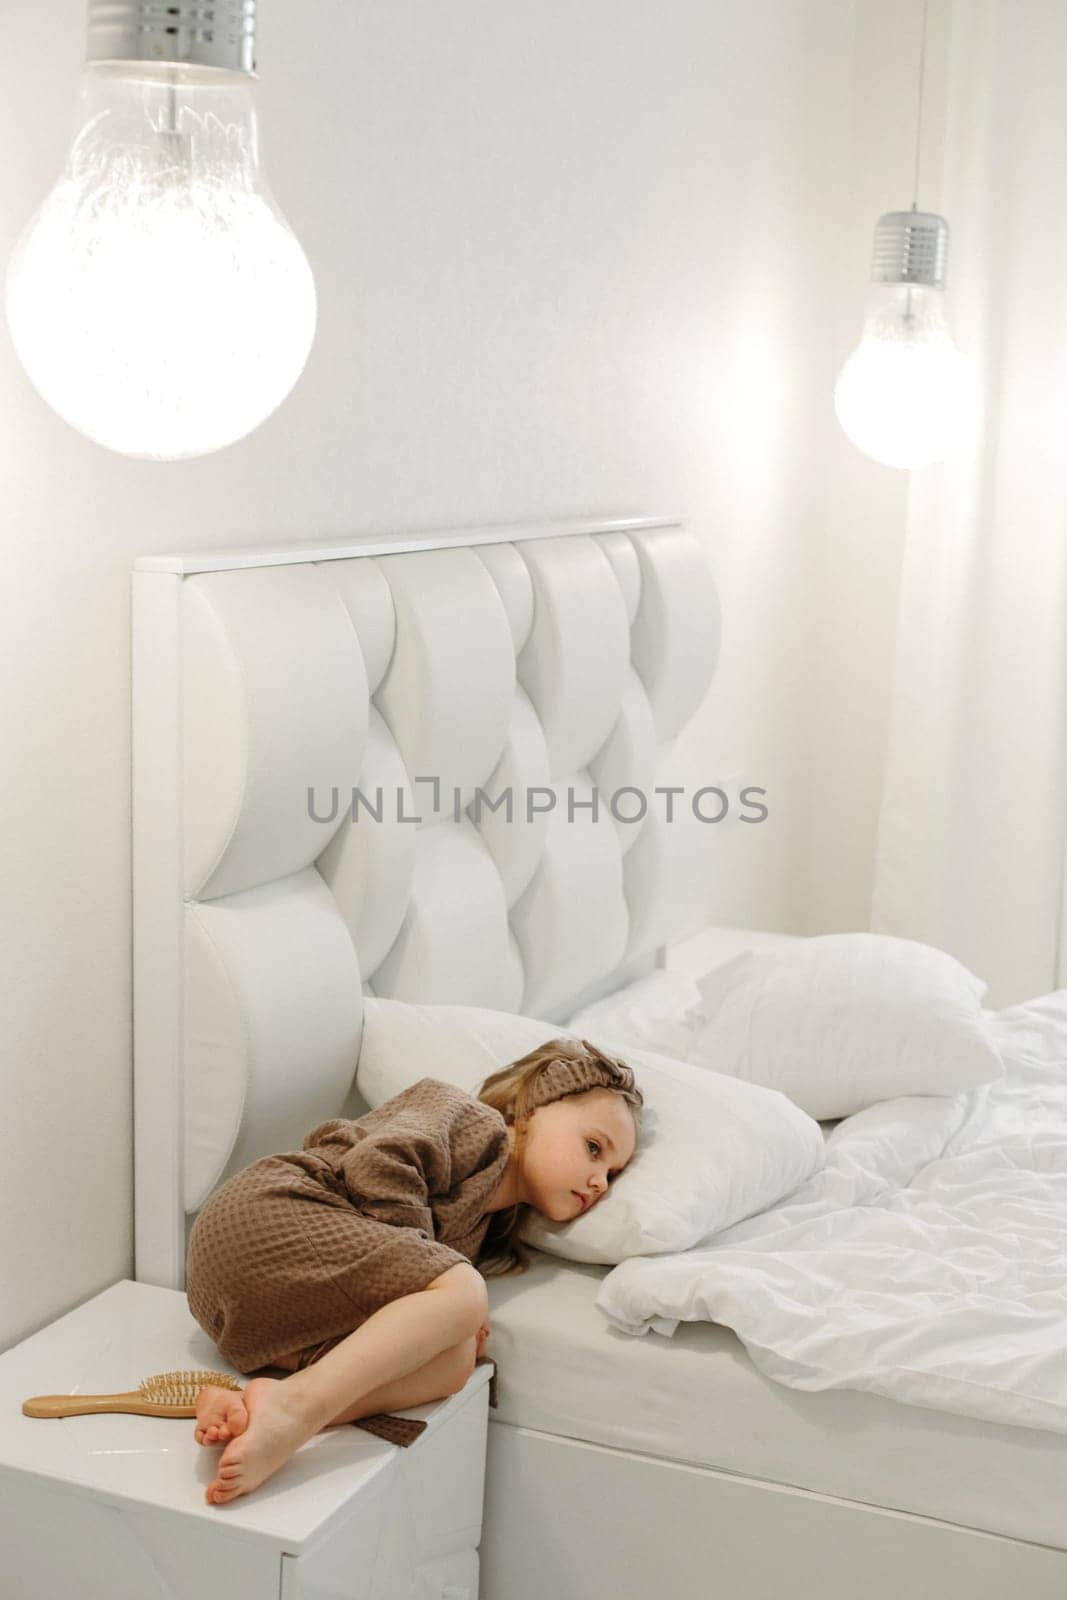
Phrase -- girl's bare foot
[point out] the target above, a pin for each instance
(277, 1427)
(221, 1415)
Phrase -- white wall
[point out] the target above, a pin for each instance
(571, 258)
(863, 525)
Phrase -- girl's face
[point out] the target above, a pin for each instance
(573, 1148)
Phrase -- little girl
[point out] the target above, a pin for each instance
(349, 1264)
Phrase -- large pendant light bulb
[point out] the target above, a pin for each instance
(159, 300)
(905, 394)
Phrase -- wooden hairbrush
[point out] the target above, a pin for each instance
(167, 1394)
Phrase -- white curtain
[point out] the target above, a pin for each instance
(973, 821)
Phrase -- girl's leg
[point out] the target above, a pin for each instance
(397, 1340)
(444, 1375)
(222, 1416)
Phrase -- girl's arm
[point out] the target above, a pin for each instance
(423, 1142)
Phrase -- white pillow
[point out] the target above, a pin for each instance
(403, 1042)
(844, 1020)
(657, 1012)
(712, 1150)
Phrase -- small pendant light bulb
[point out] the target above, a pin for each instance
(905, 394)
(159, 300)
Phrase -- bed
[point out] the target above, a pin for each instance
(273, 686)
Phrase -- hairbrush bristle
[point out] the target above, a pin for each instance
(182, 1388)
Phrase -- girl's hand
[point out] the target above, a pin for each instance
(482, 1336)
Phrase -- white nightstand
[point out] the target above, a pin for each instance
(112, 1507)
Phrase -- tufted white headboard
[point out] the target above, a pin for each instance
(325, 742)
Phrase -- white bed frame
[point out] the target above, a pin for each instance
(226, 903)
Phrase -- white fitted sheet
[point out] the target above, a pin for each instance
(697, 1398)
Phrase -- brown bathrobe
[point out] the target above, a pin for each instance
(294, 1252)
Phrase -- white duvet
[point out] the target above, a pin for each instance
(927, 1261)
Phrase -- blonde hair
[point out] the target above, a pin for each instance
(513, 1092)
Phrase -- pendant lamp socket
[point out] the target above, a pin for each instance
(204, 33)
(910, 247)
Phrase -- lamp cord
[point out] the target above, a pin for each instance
(919, 117)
